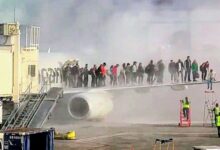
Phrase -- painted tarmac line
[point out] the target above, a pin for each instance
(133, 133)
(186, 133)
(105, 136)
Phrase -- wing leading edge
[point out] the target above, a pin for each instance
(140, 88)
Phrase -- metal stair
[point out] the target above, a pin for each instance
(23, 114)
(46, 108)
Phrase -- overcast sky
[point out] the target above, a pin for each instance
(122, 30)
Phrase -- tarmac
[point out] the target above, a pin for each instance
(138, 137)
(130, 124)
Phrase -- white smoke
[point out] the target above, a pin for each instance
(115, 31)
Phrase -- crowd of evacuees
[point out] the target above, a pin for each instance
(133, 74)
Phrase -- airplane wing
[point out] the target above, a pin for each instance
(146, 88)
(96, 103)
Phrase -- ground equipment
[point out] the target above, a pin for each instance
(163, 141)
(208, 115)
(184, 122)
(71, 135)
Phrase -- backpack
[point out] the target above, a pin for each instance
(147, 69)
(98, 71)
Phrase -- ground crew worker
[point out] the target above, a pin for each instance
(218, 124)
(186, 107)
(216, 111)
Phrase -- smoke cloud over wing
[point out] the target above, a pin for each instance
(120, 31)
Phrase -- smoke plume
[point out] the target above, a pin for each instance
(120, 31)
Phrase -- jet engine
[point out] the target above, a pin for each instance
(91, 105)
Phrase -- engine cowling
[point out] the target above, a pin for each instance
(91, 106)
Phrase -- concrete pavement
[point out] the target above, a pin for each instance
(138, 137)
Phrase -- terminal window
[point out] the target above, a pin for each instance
(31, 70)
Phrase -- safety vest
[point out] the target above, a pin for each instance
(218, 121)
(185, 105)
(217, 111)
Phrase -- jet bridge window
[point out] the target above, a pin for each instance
(31, 70)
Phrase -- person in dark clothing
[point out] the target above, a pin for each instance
(161, 67)
(187, 66)
(85, 76)
(98, 76)
(140, 73)
(150, 70)
(172, 70)
(204, 68)
(180, 68)
(128, 73)
(80, 78)
(92, 72)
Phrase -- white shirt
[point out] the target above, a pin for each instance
(134, 69)
(180, 66)
(211, 76)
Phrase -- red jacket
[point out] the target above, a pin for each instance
(114, 71)
(103, 70)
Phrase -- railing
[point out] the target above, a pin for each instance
(33, 111)
(15, 111)
(19, 114)
(11, 117)
(42, 91)
(26, 93)
(51, 109)
(34, 107)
